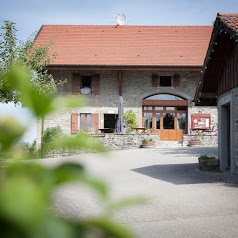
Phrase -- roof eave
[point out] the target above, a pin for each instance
(123, 67)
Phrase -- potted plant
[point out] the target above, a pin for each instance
(148, 143)
(208, 163)
(131, 121)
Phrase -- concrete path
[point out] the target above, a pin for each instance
(183, 201)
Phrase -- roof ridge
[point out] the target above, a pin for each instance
(77, 25)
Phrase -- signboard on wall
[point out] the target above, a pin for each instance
(201, 121)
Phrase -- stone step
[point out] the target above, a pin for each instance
(169, 143)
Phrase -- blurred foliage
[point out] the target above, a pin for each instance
(51, 134)
(35, 59)
(29, 147)
(25, 150)
(26, 186)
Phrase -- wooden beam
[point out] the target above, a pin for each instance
(126, 67)
(166, 103)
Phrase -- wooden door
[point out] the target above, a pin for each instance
(168, 121)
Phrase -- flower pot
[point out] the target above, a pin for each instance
(209, 164)
(148, 144)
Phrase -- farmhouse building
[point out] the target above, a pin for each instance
(155, 68)
(219, 86)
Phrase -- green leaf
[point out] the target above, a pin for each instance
(71, 172)
(22, 201)
(68, 102)
(39, 104)
(10, 132)
(18, 79)
(52, 226)
(110, 227)
(80, 141)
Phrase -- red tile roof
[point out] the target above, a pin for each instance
(126, 45)
(230, 20)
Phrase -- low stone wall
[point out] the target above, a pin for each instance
(111, 142)
(125, 141)
(134, 141)
(205, 140)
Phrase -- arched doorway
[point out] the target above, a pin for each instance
(165, 114)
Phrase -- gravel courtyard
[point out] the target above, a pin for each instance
(182, 201)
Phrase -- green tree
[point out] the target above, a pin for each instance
(35, 59)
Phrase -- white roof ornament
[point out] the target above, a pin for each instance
(121, 19)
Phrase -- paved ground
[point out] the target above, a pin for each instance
(183, 201)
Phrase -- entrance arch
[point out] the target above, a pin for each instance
(165, 114)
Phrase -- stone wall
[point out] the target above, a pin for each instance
(136, 85)
(235, 90)
(228, 146)
(134, 141)
(204, 140)
(126, 141)
(111, 142)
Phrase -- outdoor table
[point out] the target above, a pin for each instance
(140, 130)
(106, 130)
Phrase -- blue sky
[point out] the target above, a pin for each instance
(29, 15)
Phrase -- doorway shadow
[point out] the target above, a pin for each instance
(180, 174)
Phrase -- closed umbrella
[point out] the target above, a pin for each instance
(121, 125)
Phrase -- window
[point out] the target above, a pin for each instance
(86, 121)
(148, 120)
(85, 87)
(159, 108)
(181, 108)
(157, 115)
(181, 117)
(164, 97)
(147, 108)
(165, 81)
(168, 120)
(86, 81)
(86, 84)
(170, 108)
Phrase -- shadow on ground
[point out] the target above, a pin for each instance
(180, 174)
(197, 151)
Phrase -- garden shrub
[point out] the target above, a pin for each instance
(131, 120)
(51, 134)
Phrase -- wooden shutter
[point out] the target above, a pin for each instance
(96, 84)
(76, 84)
(176, 80)
(74, 123)
(154, 80)
(95, 122)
